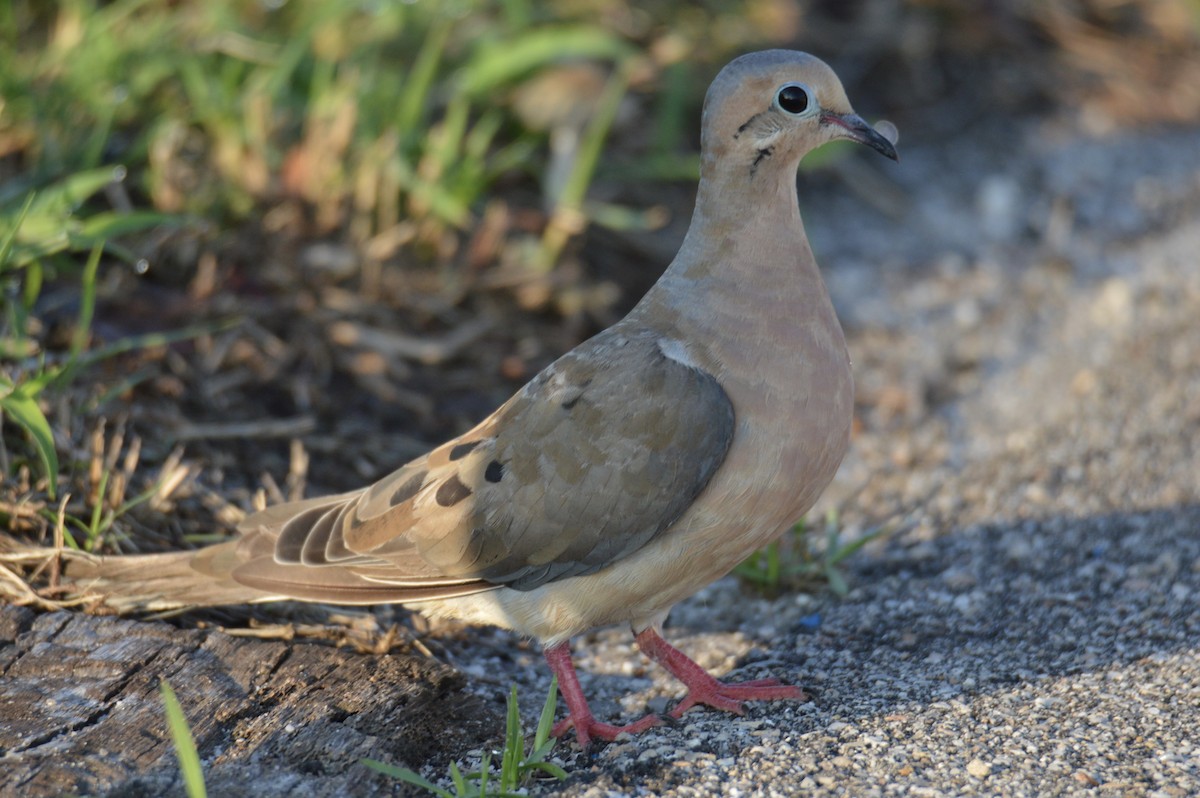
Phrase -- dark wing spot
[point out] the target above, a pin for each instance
(407, 490)
(463, 449)
(451, 492)
(494, 471)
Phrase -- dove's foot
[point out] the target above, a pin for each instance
(591, 729)
(729, 697)
(579, 715)
(704, 688)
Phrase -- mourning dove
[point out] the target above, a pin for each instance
(632, 471)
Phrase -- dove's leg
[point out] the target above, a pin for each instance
(703, 688)
(579, 715)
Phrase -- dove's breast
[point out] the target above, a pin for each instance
(787, 374)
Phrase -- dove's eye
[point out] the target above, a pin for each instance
(794, 99)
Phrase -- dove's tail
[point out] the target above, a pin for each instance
(147, 582)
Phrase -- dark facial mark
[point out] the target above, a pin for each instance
(746, 124)
(404, 492)
(463, 449)
(494, 471)
(763, 154)
(451, 492)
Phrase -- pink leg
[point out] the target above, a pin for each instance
(579, 714)
(703, 688)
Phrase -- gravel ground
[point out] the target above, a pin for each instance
(1028, 357)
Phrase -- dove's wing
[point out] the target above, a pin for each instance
(596, 456)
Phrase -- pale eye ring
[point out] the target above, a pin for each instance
(794, 99)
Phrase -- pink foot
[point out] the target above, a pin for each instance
(579, 715)
(729, 697)
(703, 688)
(601, 731)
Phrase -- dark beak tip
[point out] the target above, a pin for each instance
(880, 143)
(858, 130)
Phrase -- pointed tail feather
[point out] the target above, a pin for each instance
(151, 582)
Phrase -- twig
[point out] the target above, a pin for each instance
(96, 463)
(297, 470)
(60, 541)
(24, 509)
(428, 350)
(263, 428)
(273, 494)
(18, 592)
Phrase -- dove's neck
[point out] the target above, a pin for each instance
(745, 251)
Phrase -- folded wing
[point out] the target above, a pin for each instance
(596, 456)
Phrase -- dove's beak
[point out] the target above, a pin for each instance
(855, 129)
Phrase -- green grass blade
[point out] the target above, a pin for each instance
(148, 340)
(101, 130)
(752, 569)
(485, 772)
(407, 776)
(833, 524)
(837, 582)
(185, 744)
(94, 529)
(850, 548)
(483, 132)
(456, 776)
(501, 62)
(671, 116)
(448, 147)
(111, 224)
(87, 304)
(61, 198)
(414, 102)
(546, 720)
(121, 386)
(548, 767)
(74, 523)
(10, 236)
(23, 408)
(514, 745)
(53, 377)
(774, 564)
(32, 288)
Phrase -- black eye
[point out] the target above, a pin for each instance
(793, 98)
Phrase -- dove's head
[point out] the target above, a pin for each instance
(767, 110)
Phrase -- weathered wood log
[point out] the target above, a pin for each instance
(81, 712)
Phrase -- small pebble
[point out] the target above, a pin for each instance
(979, 769)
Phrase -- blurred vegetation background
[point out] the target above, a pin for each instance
(378, 115)
(230, 224)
